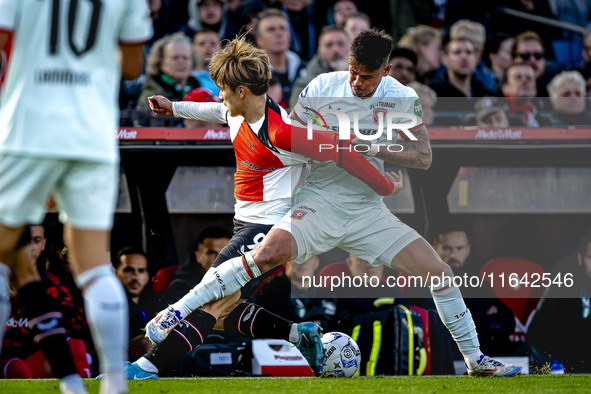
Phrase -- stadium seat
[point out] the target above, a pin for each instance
(523, 299)
(163, 278)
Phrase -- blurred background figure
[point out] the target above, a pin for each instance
(303, 25)
(497, 55)
(519, 89)
(205, 44)
(200, 95)
(426, 42)
(168, 70)
(529, 49)
(333, 55)
(272, 36)
(341, 10)
(567, 95)
(355, 24)
(131, 267)
(428, 99)
(210, 15)
(489, 113)
(404, 65)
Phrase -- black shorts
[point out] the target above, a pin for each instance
(246, 237)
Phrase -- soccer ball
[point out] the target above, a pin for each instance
(342, 355)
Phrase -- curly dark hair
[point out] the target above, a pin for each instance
(371, 49)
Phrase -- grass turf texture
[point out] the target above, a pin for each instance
(429, 384)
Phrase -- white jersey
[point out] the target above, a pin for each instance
(60, 99)
(333, 91)
(265, 174)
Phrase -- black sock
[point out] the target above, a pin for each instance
(189, 334)
(46, 324)
(255, 321)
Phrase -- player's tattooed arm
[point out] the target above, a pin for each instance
(414, 154)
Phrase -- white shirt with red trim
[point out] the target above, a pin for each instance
(265, 175)
(333, 91)
(61, 91)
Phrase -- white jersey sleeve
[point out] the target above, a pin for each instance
(307, 100)
(8, 14)
(412, 105)
(136, 26)
(207, 112)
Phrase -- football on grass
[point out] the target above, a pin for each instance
(342, 355)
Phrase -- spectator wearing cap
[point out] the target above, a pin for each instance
(355, 24)
(205, 44)
(476, 33)
(528, 48)
(272, 36)
(404, 65)
(426, 42)
(497, 54)
(428, 99)
(200, 95)
(210, 15)
(567, 95)
(459, 81)
(168, 70)
(489, 113)
(333, 51)
(341, 10)
(519, 89)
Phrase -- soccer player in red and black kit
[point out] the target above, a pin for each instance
(269, 158)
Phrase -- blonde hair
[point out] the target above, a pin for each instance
(156, 55)
(241, 63)
(557, 81)
(423, 90)
(471, 31)
(418, 36)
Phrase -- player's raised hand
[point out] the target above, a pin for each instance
(160, 105)
(396, 179)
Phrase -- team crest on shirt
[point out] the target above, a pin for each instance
(376, 112)
(297, 214)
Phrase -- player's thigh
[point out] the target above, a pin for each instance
(376, 235)
(418, 258)
(87, 195)
(25, 184)
(246, 237)
(316, 227)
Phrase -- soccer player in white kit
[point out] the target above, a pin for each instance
(335, 210)
(58, 135)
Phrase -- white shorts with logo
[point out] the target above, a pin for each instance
(85, 191)
(369, 231)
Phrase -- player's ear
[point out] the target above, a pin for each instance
(387, 70)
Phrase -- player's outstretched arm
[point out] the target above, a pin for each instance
(160, 105)
(415, 154)
(325, 147)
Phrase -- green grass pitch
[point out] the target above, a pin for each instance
(534, 384)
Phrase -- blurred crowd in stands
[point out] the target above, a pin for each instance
(533, 74)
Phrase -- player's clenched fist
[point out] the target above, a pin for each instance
(160, 105)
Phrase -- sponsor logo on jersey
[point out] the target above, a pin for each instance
(307, 208)
(249, 313)
(298, 215)
(376, 115)
(220, 281)
(418, 108)
(383, 104)
(253, 167)
(288, 358)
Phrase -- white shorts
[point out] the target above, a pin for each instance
(85, 191)
(369, 231)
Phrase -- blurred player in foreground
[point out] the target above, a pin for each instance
(57, 135)
(332, 209)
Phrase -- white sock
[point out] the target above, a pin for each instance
(293, 333)
(72, 384)
(472, 359)
(106, 311)
(114, 383)
(218, 282)
(146, 365)
(456, 317)
(5, 306)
